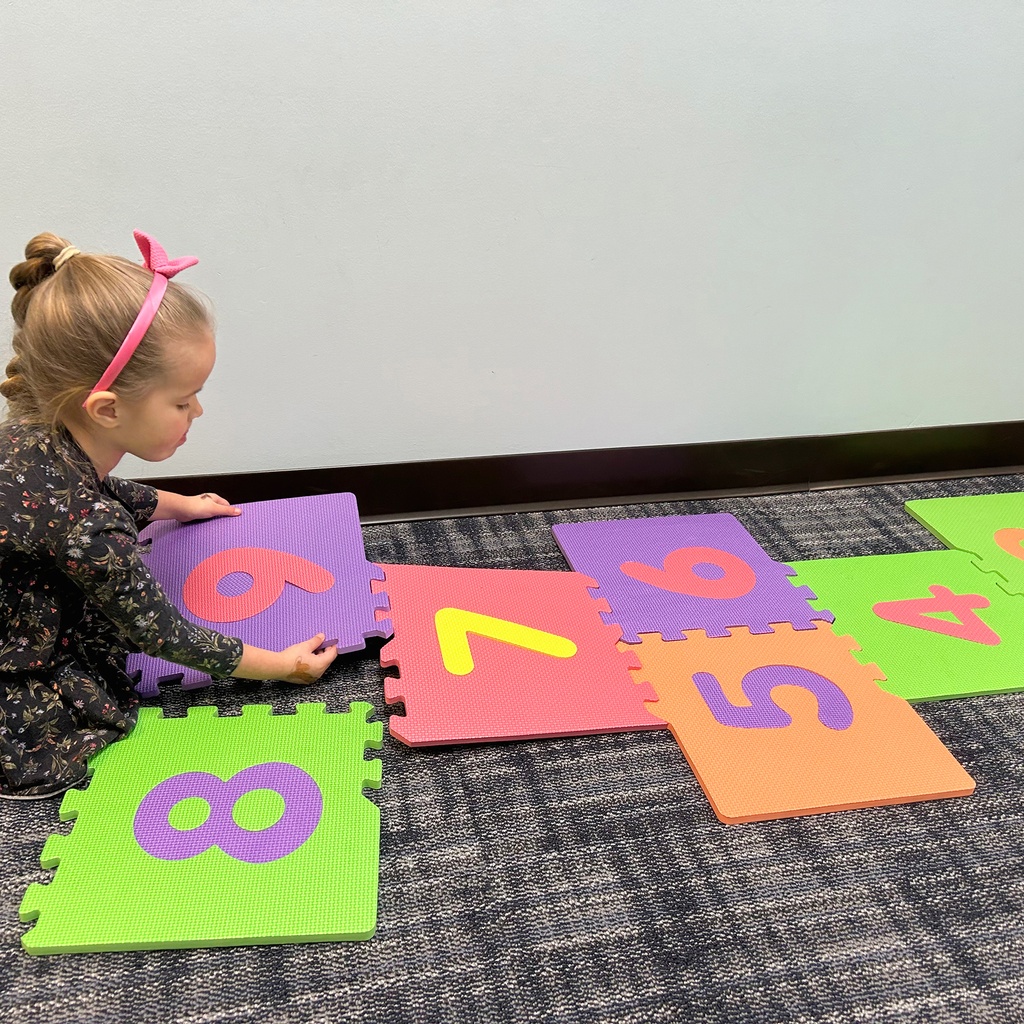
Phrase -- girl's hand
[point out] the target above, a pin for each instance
(305, 663)
(204, 506)
(301, 663)
(199, 506)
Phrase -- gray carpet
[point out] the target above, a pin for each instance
(587, 880)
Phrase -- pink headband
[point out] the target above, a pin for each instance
(153, 258)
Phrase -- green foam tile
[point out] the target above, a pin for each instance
(919, 661)
(989, 526)
(173, 847)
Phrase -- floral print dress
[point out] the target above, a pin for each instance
(75, 600)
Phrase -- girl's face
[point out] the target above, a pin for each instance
(156, 426)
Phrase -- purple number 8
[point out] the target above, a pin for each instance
(303, 806)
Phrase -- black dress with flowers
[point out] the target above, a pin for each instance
(75, 600)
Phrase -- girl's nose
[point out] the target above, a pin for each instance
(197, 410)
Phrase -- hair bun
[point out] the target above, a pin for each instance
(38, 265)
(14, 386)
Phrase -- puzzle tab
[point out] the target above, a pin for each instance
(503, 654)
(989, 526)
(274, 576)
(671, 574)
(224, 830)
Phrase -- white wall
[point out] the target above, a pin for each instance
(469, 228)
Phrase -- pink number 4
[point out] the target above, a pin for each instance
(919, 611)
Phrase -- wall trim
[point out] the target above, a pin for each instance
(409, 490)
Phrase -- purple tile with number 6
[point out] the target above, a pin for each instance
(669, 574)
(276, 575)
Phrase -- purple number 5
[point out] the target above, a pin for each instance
(303, 806)
(834, 708)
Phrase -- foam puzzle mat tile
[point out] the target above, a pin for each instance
(781, 724)
(274, 576)
(934, 624)
(672, 574)
(216, 830)
(503, 654)
(989, 526)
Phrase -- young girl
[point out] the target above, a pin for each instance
(109, 358)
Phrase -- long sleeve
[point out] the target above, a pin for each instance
(100, 555)
(140, 499)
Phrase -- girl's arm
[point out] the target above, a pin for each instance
(301, 663)
(148, 504)
(139, 499)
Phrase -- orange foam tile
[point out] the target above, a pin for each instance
(788, 723)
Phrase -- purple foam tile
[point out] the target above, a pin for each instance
(323, 530)
(145, 687)
(657, 579)
(190, 679)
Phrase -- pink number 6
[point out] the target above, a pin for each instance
(698, 572)
(269, 570)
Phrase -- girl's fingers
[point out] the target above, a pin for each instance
(324, 648)
(223, 506)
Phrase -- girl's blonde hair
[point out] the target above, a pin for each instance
(69, 323)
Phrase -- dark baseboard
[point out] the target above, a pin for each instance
(562, 479)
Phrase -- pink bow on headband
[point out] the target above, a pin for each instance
(154, 257)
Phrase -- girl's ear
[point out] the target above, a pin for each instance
(101, 409)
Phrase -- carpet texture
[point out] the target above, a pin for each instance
(587, 880)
